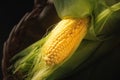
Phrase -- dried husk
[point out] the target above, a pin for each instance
(31, 28)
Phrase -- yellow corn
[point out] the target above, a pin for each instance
(63, 40)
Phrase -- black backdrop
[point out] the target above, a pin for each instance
(11, 11)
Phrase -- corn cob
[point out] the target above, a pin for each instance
(63, 40)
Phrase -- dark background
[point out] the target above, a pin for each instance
(11, 11)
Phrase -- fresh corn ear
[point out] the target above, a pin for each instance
(54, 50)
(64, 39)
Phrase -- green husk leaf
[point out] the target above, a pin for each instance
(102, 26)
(23, 62)
(74, 8)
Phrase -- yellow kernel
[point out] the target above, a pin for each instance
(63, 40)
